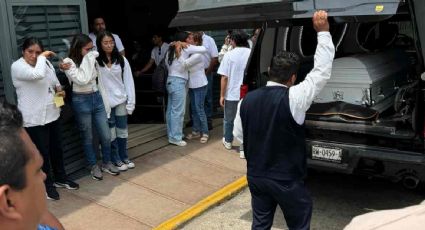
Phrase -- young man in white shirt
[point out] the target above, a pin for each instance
(157, 54)
(98, 26)
(232, 69)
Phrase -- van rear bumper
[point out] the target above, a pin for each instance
(369, 160)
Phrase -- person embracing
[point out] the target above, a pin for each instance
(90, 103)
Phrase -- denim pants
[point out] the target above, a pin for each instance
(119, 133)
(197, 99)
(89, 110)
(176, 88)
(47, 139)
(209, 97)
(230, 109)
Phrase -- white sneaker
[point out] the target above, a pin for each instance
(178, 143)
(121, 166)
(241, 152)
(227, 145)
(129, 164)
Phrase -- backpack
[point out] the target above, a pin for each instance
(159, 76)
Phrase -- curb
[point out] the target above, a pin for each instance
(200, 207)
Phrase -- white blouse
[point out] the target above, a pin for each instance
(177, 67)
(84, 77)
(119, 85)
(195, 66)
(35, 89)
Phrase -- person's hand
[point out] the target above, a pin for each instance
(61, 94)
(227, 40)
(222, 101)
(320, 21)
(64, 66)
(48, 54)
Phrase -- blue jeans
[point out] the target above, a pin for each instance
(89, 110)
(176, 88)
(197, 99)
(119, 133)
(209, 97)
(230, 109)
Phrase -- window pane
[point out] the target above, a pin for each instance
(189, 5)
(53, 25)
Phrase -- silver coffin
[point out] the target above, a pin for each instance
(366, 79)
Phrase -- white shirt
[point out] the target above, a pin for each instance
(195, 66)
(158, 54)
(119, 85)
(209, 43)
(177, 67)
(301, 96)
(84, 77)
(35, 89)
(117, 39)
(233, 67)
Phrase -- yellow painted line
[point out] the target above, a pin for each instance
(203, 205)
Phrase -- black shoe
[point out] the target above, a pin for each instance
(52, 194)
(68, 184)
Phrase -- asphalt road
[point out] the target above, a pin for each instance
(337, 198)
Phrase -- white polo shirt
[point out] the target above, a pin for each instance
(233, 66)
(117, 39)
(158, 54)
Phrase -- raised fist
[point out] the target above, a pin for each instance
(320, 21)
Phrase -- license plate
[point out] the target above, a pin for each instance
(326, 154)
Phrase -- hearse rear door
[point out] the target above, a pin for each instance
(220, 14)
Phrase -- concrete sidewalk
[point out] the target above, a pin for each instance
(164, 183)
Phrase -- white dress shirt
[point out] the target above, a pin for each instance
(209, 43)
(195, 66)
(158, 54)
(177, 67)
(302, 95)
(233, 67)
(118, 42)
(35, 89)
(119, 85)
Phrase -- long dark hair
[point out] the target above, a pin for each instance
(77, 44)
(115, 55)
(32, 41)
(179, 36)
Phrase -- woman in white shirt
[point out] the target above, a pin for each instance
(90, 103)
(178, 75)
(36, 87)
(197, 90)
(117, 78)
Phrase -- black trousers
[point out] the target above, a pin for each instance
(47, 139)
(291, 196)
